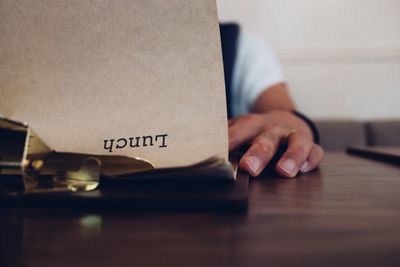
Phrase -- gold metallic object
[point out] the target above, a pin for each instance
(24, 154)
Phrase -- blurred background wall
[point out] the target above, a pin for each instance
(341, 57)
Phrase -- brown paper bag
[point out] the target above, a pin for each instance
(125, 77)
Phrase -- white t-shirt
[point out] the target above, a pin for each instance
(256, 69)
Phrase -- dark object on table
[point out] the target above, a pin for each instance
(139, 195)
(385, 154)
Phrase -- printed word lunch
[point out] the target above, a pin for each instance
(134, 142)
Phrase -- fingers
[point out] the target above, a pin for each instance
(313, 160)
(297, 153)
(301, 154)
(261, 151)
(244, 129)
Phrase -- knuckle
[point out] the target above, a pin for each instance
(298, 136)
(297, 152)
(263, 149)
(271, 136)
(301, 137)
(270, 126)
(253, 119)
(266, 136)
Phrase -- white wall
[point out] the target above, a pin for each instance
(341, 57)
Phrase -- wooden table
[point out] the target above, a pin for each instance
(346, 214)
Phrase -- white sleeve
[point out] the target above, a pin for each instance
(256, 69)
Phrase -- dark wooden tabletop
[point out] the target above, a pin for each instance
(345, 214)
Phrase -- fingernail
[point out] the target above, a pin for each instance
(306, 167)
(254, 164)
(289, 166)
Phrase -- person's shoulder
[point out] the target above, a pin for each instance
(256, 70)
(252, 42)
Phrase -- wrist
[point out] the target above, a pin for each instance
(309, 124)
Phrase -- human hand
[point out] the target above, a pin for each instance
(265, 132)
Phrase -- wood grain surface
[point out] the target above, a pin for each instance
(345, 214)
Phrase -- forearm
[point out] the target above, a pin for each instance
(276, 97)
